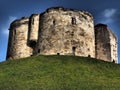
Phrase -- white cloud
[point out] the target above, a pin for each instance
(108, 15)
(5, 28)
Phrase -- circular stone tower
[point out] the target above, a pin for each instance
(18, 38)
(66, 32)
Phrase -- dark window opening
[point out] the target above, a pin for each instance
(53, 25)
(88, 49)
(38, 50)
(73, 21)
(53, 22)
(74, 49)
(89, 56)
(58, 53)
(15, 31)
(32, 44)
(113, 61)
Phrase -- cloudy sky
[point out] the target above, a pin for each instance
(104, 11)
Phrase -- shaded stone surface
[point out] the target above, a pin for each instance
(106, 43)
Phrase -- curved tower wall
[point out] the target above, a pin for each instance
(66, 32)
(18, 45)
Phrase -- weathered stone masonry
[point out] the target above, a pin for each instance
(106, 43)
(66, 32)
(60, 31)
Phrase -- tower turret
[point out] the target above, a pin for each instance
(18, 39)
(106, 43)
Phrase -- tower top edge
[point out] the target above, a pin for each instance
(61, 8)
(18, 22)
(107, 28)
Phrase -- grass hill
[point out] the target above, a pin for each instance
(59, 73)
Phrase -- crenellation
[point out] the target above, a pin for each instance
(61, 31)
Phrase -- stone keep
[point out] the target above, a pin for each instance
(60, 31)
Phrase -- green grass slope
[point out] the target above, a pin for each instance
(59, 73)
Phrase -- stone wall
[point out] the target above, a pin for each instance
(33, 31)
(34, 27)
(18, 40)
(106, 43)
(66, 32)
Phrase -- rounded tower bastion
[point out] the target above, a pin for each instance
(66, 32)
(18, 39)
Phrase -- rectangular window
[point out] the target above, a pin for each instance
(73, 50)
(53, 25)
(73, 21)
(38, 50)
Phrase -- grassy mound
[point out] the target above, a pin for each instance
(59, 73)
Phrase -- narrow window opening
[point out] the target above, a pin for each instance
(88, 49)
(89, 56)
(113, 61)
(73, 21)
(73, 50)
(53, 22)
(53, 26)
(15, 31)
(38, 50)
(58, 53)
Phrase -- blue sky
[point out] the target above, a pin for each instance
(104, 11)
